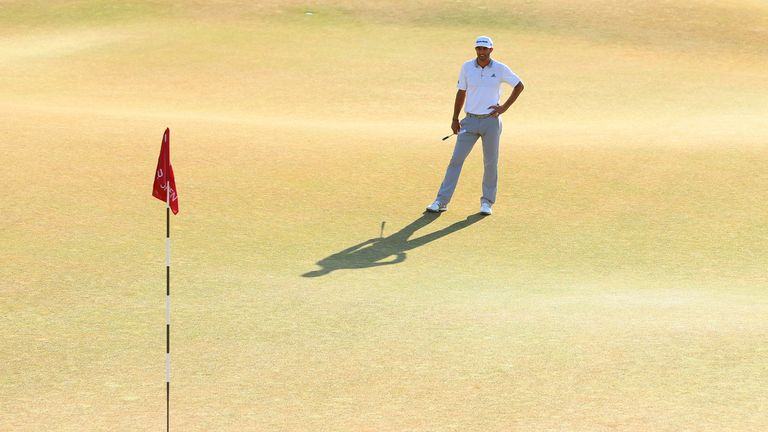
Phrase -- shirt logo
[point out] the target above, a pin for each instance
(493, 76)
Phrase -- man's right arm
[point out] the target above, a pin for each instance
(457, 105)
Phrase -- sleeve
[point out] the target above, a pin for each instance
(510, 77)
(462, 84)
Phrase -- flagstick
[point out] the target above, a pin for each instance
(168, 305)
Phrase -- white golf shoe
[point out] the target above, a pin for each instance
(436, 207)
(485, 209)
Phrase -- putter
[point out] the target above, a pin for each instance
(460, 132)
(382, 229)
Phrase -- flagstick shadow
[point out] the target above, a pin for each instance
(388, 250)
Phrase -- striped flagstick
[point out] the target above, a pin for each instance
(164, 189)
(167, 306)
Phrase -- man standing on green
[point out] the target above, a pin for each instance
(480, 86)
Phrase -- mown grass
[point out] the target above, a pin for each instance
(34, 14)
(620, 283)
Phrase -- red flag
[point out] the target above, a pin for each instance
(164, 175)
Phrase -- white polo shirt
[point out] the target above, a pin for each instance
(483, 84)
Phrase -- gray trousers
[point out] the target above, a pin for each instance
(489, 129)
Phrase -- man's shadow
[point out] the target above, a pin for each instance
(374, 252)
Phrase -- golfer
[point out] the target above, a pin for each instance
(480, 87)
